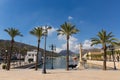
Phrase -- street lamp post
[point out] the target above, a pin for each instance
(44, 55)
(111, 47)
(53, 47)
(6, 56)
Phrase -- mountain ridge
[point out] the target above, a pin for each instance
(5, 44)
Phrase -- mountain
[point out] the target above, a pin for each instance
(63, 53)
(5, 45)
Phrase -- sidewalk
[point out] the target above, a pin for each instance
(59, 74)
(109, 64)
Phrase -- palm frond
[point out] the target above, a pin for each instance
(13, 32)
(67, 29)
(37, 31)
(104, 38)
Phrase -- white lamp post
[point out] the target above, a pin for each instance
(44, 55)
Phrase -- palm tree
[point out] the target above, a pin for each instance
(38, 32)
(67, 29)
(104, 39)
(13, 33)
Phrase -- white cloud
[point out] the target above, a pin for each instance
(73, 39)
(51, 30)
(87, 44)
(64, 46)
(70, 17)
(73, 43)
(61, 37)
(58, 50)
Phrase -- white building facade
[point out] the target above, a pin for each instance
(31, 56)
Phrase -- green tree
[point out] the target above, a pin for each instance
(67, 29)
(38, 32)
(104, 39)
(109, 53)
(13, 33)
(117, 52)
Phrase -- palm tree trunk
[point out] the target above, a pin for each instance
(36, 64)
(67, 56)
(44, 58)
(105, 57)
(9, 55)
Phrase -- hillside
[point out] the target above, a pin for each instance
(63, 53)
(5, 45)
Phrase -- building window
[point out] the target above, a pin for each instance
(29, 54)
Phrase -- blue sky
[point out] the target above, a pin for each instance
(89, 16)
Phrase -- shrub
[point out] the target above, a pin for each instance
(4, 66)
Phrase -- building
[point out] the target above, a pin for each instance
(31, 56)
(97, 54)
(93, 54)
